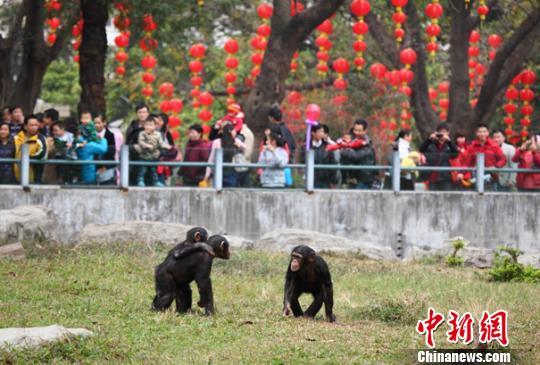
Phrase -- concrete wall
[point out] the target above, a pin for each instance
(422, 218)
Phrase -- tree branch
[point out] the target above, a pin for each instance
(302, 24)
(386, 43)
(507, 63)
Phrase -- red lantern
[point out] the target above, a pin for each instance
(432, 47)
(147, 91)
(378, 70)
(323, 56)
(174, 122)
(432, 94)
(474, 37)
(231, 46)
(175, 135)
(443, 87)
(176, 105)
(341, 65)
(294, 98)
(147, 44)
(399, 17)
(434, 10)
(165, 106)
(166, 89)
(527, 109)
(528, 77)
(206, 98)
(231, 90)
(197, 50)
(510, 108)
(359, 62)
(231, 63)
(257, 59)
(512, 93)
(509, 121)
(482, 10)
(326, 27)
(258, 43)
(406, 75)
(264, 30)
(360, 8)
(526, 95)
(340, 84)
(495, 40)
(393, 77)
(195, 67)
(196, 81)
(205, 115)
(121, 40)
(120, 70)
(359, 46)
(51, 39)
(230, 77)
(53, 23)
(195, 93)
(121, 56)
(148, 78)
(296, 7)
(444, 103)
(360, 27)
(206, 129)
(407, 56)
(474, 51)
(265, 11)
(399, 33)
(433, 30)
(76, 58)
(148, 23)
(148, 62)
(400, 3)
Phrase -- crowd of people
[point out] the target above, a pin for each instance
(90, 139)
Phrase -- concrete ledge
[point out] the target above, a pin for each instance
(422, 219)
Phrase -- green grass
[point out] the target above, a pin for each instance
(109, 291)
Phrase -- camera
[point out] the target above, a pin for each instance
(439, 135)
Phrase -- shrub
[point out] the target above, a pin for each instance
(507, 268)
(454, 260)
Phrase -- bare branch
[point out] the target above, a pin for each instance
(386, 43)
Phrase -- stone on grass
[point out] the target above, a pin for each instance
(36, 336)
(27, 223)
(530, 258)
(283, 240)
(14, 250)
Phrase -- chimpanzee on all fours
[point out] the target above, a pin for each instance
(189, 261)
(308, 273)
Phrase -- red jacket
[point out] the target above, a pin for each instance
(527, 160)
(494, 156)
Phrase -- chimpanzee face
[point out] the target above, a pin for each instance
(296, 261)
(220, 245)
(301, 256)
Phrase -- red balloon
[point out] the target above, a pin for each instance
(326, 27)
(474, 37)
(434, 10)
(400, 3)
(360, 27)
(121, 57)
(231, 46)
(231, 63)
(407, 56)
(264, 30)
(206, 98)
(195, 67)
(121, 40)
(149, 62)
(341, 65)
(176, 105)
(205, 115)
(399, 17)
(265, 11)
(148, 78)
(230, 77)
(313, 112)
(378, 70)
(360, 7)
(495, 40)
(174, 122)
(197, 50)
(528, 77)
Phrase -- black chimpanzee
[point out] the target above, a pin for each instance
(197, 236)
(174, 275)
(308, 273)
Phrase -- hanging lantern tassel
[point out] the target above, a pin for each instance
(122, 22)
(360, 8)
(528, 78)
(433, 11)
(341, 67)
(482, 10)
(198, 52)
(231, 47)
(325, 29)
(399, 17)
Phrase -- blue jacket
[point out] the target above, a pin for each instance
(88, 153)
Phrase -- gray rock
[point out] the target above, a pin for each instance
(531, 258)
(284, 240)
(479, 257)
(35, 336)
(27, 223)
(134, 231)
(240, 242)
(14, 250)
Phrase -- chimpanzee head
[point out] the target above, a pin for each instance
(220, 245)
(197, 234)
(301, 256)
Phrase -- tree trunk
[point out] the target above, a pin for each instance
(92, 56)
(288, 32)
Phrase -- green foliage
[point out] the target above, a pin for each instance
(61, 84)
(453, 259)
(507, 268)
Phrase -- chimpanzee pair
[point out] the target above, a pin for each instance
(191, 260)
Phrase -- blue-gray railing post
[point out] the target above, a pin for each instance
(124, 167)
(480, 172)
(218, 170)
(310, 171)
(25, 166)
(396, 172)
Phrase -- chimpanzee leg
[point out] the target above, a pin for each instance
(295, 306)
(315, 307)
(205, 291)
(183, 298)
(165, 291)
(329, 303)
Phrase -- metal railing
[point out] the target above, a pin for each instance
(394, 170)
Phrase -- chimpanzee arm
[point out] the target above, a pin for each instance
(187, 249)
(204, 283)
(327, 289)
(183, 298)
(290, 300)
